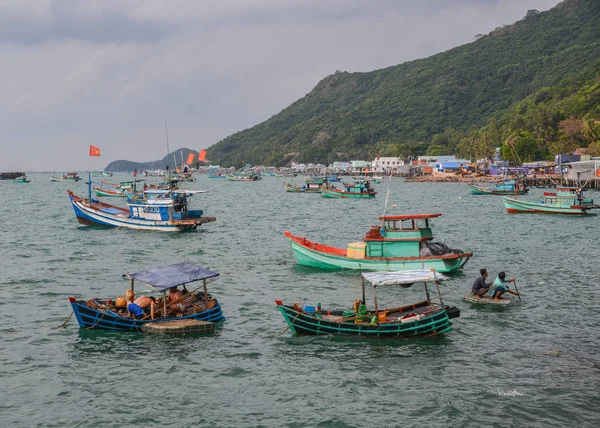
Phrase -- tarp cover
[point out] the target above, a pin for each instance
(163, 278)
(402, 277)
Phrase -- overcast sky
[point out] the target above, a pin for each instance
(112, 72)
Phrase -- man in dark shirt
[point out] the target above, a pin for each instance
(480, 287)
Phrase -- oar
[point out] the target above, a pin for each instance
(518, 295)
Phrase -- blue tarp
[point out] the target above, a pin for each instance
(163, 278)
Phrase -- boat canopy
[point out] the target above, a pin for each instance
(403, 277)
(409, 216)
(165, 277)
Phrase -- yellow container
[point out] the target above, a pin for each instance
(356, 250)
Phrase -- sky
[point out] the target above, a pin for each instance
(112, 73)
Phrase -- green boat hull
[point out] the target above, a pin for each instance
(307, 257)
(346, 195)
(515, 206)
(301, 323)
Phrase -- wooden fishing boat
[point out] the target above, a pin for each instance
(405, 242)
(243, 177)
(359, 189)
(71, 176)
(197, 305)
(423, 318)
(153, 209)
(566, 200)
(101, 174)
(487, 300)
(313, 185)
(107, 189)
(507, 187)
(21, 179)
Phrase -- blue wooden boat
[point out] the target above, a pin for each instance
(199, 305)
(164, 210)
(566, 200)
(427, 317)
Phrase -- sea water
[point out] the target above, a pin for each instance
(534, 363)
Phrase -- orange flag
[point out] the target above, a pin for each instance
(190, 159)
(202, 155)
(94, 151)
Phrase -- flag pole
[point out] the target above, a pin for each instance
(90, 177)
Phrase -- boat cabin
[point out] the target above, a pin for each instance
(400, 236)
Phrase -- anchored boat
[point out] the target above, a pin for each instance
(358, 189)
(71, 176)
(566, 200)
(109, 314)
(164, 210)
(424, 318)
(404, 242)
(507, 187)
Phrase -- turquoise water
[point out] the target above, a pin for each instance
(531, 364)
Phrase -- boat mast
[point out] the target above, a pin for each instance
(387, 197)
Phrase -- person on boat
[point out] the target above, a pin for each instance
(480, 287)
(499, 287)
(175, 299)
(138, 306)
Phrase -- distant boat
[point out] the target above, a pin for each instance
(313, 185)
(244, 177)
(71, 176)
(507, 187)
(155, 209)
(107, 314)
(21, 179)
(566, 200)
(403, 243)
(359, 189)
(10, 175)
(428, 317)
(101, 174)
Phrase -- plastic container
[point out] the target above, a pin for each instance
(309, 309)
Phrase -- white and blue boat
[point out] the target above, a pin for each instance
(164, 210)
(111, 314)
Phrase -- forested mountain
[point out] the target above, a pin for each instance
(514, 87)
(173, 159)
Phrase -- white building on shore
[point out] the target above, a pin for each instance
(385, 165)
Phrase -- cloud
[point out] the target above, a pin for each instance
(111, 73)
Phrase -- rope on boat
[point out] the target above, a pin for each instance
(288, 327)
(96, 323)
(66, 321)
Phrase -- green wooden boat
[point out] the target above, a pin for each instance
(566, 200)
(404, 242)
(359, 189)
(507, 187)
(21, 179)
(428, 317)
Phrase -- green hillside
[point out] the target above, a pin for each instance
(466, 100)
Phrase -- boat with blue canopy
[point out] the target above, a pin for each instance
(423, 318)
(109, 314)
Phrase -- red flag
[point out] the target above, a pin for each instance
(202, 155)
(94, 151)
(190, 159)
